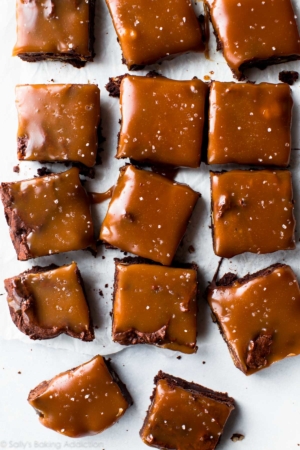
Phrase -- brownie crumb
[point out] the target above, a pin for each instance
(191, 249)
(96, 326)
(237, 437)
(16, 168)
(103, 257)
(203, 362)
(101, 293)
(288, 76)
(19, 372)
(179, 357)
(106, 285)
(43, 171)
(113, 86)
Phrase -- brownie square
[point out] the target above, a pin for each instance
(162, 30)
(250, 124)
(268, 34)
(83, 401)
(153, 304)
(48, 215)
(162, 120)
(148, 214)
(55, 30)
(45, 302)
(252, 211)
(58, 122)
(258, 316)
(185, 415)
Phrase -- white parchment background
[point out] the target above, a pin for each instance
(268, 403)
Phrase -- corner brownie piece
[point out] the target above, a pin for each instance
(45, 302)
(148, 214)
(252, 211)
(48, 215)
(58, 122)
(162, 120)
(250, 124)
(83, 401)
(258, 316)
(159, 31)
(268, 35)
(153, 304)
(185, 415)
(55, 30)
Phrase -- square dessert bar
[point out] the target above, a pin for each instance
(47, 215)
(250, 124)
(162, 120)
(148, 214)
(55, 30)
(252, 211)
(159, 31)
(58, 123)
(45, 302)
(154, 304)
(258, 316)
(83, 401)
(268, 35)
(185, 415)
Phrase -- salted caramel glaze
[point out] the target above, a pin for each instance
(54, 27)
(80, 402)
(268, 34)
(252, 211)
(250, 124)
(155, 305)
(259, 317)
(148, 214)
(163, 29)
(181, 419)
(48, 215)
(58, 122)
(46, 303)
(162, 120)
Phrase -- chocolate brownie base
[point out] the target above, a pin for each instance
(132, 336)
(34, 331)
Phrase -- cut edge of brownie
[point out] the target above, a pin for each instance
(119, 382)
(133, 336)
(261, 346)
(35, 332)
(71, 57)
(193, 388)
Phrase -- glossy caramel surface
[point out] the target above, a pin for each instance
(58, 122)
(162, 120)
(267, 304)
(80, 402)
(252, 211)
(53, 213)
(250, 124)
(55, 26)
(179, 419)
(149, 297)
(57, 300)
(254, 30)
(163, 29)
(148, 214)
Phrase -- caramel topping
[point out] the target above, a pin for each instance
(164, 29)
(51, 300)
(252, 211)
(259, 317)
(162, 120)
(48, 215)
(58, 122)
(149, 298)
(182, 419)
(53, 27)
(148, 214)
(250, 124)
(80, 402)
(99, 197)
(269, 31)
